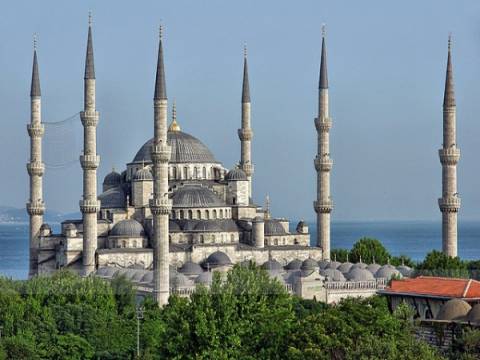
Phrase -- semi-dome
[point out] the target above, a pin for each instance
(204, 278)
(144, 174)
(178, 280)
(388, 272)
(190, 268)
(454, 309)
(309, 264)
(236, 175)
(332, 274)
(112, 178)
(113, 198)
(185, 149)
(322, 264)
(272, 264)
(295, 264)
(274, 227)
(345, 267)
(208, 226)
(130, 227)
(357, 274)
(216, 259)
(195, 196)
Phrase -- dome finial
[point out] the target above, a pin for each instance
(324, 30)
(174, 125)
(160, 32)
(449, 42)
(34, 41)
(90, 20)
(245, 53)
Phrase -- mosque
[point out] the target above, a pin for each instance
(175, 213)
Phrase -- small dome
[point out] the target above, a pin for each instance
(273, 274)
(295, 264)
(454, 309)
(204, 278)
(332, 275)
(217, 259)
(195, 196)
(112, 179)
(357, 274)
(345, 267)
(46, 227)
(130, 228)
(148, 277)
(70, 226)
(322, 264)
(388, 271)
(309, 264)
(373, 268)
(190, 268)
(301, 224)
(178, 280)
(208, 226)
(273, 227)
(405, 270)
(359, 265)
(143, 175)
(333, 265)
(272, 264)
(236, 175)
(474, 314)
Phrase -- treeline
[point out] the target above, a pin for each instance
(245, 315)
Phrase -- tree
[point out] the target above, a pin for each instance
(368, 250)
(437, 263)
(341, 255)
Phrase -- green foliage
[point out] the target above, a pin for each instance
(467, 346)
(402, 260)
(341, 255)
(368, 250)
(437, 263)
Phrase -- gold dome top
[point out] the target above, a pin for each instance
(174, 125)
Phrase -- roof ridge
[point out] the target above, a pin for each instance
(467, 287)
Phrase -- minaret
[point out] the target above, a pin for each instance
(160, 205)
(323, 164)
(35, 168)
(245, 134)
(449, 203)
(89, 160)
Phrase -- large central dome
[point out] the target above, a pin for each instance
(185, 149)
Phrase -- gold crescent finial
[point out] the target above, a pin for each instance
(35, 41)
(449, 41)
(90, 18)
(160, 31)
(324, 30)
(245, 50)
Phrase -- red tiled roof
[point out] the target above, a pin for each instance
(436, 286)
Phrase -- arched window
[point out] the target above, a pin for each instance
(134, 243)
(190, 214)
(201, 239)
(221, 213)
(174, 173)
(204, 172)
(169, 238)
(124, 243)
(207, 215)
(195, 173)
(199, 214)
(232, 238)
(275, 242)
(234, 201)
(214, 214)
(173, 214)
(181, 214)
(185, 172)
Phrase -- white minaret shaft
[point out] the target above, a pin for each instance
(449, 203)
(89, 160)
(35, 168)
(323, 164)
(160, 205)
(245, 134)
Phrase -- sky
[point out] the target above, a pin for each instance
(386, 63)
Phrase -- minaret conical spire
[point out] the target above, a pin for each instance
(89, 63)
(449, 95)
(160, 87)
(35, 89)
(245, 86)
(323, 81)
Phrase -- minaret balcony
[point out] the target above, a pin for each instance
(245, 134)
(160, 206)
(89, 206)
(89, 118)
(35, 130)
(323, 124)
(325, 206)
(323, 163)
(449, 156)
(35, 168)
(89, 162)
(247, 169)
(449, 204)
(161, 153)
(36, 207)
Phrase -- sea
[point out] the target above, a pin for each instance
(412, 238)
